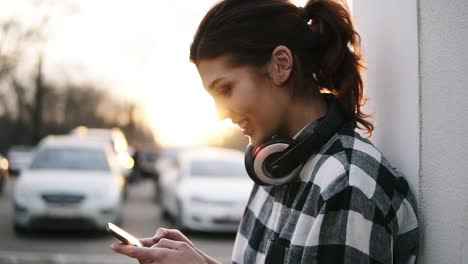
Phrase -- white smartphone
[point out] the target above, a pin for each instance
(122, 235)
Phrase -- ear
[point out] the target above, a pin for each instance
(280, 65)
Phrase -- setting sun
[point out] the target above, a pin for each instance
(180, 110)
(184, 114)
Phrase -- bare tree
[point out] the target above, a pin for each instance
(22, 43)
(31, 107)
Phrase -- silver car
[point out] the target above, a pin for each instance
(207, 190)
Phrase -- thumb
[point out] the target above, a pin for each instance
(172, 234)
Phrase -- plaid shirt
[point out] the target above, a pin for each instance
(347, 206)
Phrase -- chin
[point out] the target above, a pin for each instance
(257, 140)
(252, 141)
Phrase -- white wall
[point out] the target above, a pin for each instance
(417, 79)
(444, 153)
(390, 47)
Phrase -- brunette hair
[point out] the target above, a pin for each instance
(321, 37)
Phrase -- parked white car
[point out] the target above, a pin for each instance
(207, 190)
(71, 183)
(113, 136)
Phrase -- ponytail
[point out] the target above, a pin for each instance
(340, 65)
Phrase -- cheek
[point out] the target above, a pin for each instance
(245, 106)
(265, 119)
(247, 98)
(271, 116)
(256, 100)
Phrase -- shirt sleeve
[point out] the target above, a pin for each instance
(349, 228)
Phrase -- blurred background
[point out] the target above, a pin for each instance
(104, 119)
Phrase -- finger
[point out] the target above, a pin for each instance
(131, 251)
(171, 244)
(163, 233)
(143, 255)
(147, 242)
(172, 234)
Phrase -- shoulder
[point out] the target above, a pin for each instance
(348, 159)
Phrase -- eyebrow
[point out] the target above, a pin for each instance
(214, 83)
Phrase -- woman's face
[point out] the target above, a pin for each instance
(247, 96)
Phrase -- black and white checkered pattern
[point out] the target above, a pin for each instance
(349, 206)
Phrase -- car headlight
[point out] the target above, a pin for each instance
(4, 164)
(111, 192)
(105, 194)
(23, 193)
(100, 194)
(126, 161)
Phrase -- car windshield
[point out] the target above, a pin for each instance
(71, 159)
(20, 152)
(217, 168)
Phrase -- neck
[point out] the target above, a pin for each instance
(303, 112)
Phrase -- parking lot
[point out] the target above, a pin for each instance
(141, 217)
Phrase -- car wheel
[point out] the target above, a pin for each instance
(2, 181)
(157, 193)
(20, 230)
(125, 192)
(179, 217)
(164, 212)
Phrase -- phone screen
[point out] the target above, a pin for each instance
(122, 235)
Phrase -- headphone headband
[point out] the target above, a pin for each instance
(278, 161)
(321, 133)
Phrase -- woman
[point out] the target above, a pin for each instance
(280, 72)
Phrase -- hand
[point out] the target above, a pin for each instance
(164, 251)
(172, 234)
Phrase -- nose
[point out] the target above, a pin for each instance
(222, 111)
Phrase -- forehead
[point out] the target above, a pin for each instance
(213, 69)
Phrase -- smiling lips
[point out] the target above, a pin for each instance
(243, 125)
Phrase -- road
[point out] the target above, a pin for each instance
(141, 218)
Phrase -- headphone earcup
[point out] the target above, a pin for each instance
(249, 159)
(257, 160)
(279, 160)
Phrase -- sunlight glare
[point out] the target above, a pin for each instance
(182, 111)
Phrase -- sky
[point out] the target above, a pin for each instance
(140, 48)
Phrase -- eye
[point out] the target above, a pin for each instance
(224, 89)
